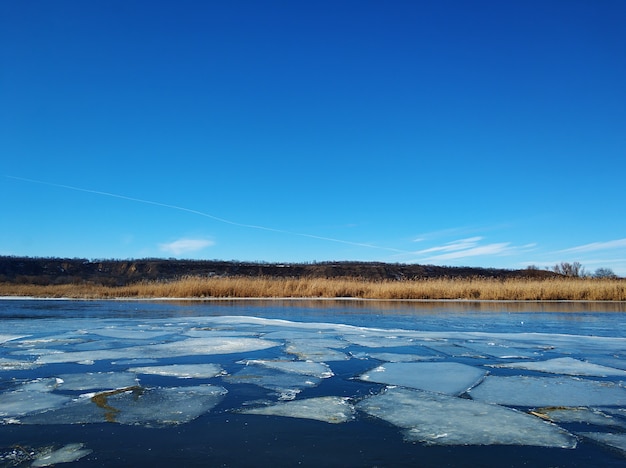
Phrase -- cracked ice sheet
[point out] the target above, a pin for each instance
(286, 385)
(617, 441)
(565, 365)
(548, 391)
(14, 364)
(330, 409)
(379, 340)
(396, 357)
(443, 377)
(128, 333)
(437, 419)
(31, 397)
(499, 350)
(310, 350)
(6, 338)
(97, 381)
(314, 369)
(186, 347)
(578, 415)
(152, 407)
(182, 371)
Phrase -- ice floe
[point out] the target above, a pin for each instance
(315, 369)
(128, 333)
(30, 397)
(548, 391)
(579, 415)
(432, 395)
(66, 454)
(182, 371)
(186, 347)
(379, 340)
(4, 338)
(396, 357)
(314, 351)
(445, 420)
(565, 365)
(14, 364)
(160, 406)
(444, 377)
(96, 381)
(330, 409)
(287, 385)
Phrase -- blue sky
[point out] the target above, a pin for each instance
(483, 133)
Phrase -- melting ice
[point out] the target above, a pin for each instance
(445, 377)
(443, 387)
(441, 419)
(329, 409)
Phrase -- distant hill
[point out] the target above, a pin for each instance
(28, 270)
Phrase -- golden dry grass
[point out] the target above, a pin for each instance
(266, 287)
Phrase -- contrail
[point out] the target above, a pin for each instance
(206, 215)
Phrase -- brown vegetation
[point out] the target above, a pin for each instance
(517, 289)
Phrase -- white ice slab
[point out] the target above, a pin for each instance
(565, 365)
(14, 364)
(438, 419)
(182, 371)
(4, 338)
(152, 407)
(66, 454)
(22, 402)
(97, 381)
(497, 349)
(312, 351)
(287, 385)
(444, 377)
(397, 357)
(389, 340)
(314, 369)
(548, 391)
(186, 347)
(330, 409)
(134, 333)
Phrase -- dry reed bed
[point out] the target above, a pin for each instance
(266, 287)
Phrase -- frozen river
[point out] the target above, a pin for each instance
(312, 383)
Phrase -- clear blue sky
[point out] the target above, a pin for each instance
(482, 133)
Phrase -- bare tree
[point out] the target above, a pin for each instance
(574, 270)
(604, 273)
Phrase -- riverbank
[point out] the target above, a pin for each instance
(514, 289)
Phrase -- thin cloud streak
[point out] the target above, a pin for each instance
(594, 246)
(207, 215)
(183, 246)
(489, 249)
(462, 244)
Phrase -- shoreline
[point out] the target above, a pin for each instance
(304, 299)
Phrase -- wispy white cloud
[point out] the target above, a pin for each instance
(594, 246)
(183, 246)
(462, 244)
(470, 247)
(481, 250)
